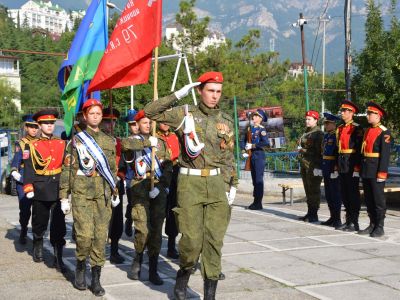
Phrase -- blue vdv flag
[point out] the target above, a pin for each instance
(83, 58)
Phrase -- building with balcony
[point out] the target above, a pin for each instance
(9, 71)
(214, 38)
(44, 15)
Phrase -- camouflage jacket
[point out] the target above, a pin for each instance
(310, 153)
(131, 144)
(214, 128)
(72, 180)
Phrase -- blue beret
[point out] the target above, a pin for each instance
(28, 119)
(260, 113)
(130, 117)
(331, 118)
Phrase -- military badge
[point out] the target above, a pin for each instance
(263, 133)
(68, 160)
(25, 154)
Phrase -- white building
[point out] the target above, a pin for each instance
(296, 69)
(44, 15)
(214, 38)
(9, 70)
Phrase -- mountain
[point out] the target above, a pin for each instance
(274, 18)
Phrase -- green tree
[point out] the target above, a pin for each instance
(193, 30)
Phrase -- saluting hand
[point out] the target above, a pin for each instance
(183, 92)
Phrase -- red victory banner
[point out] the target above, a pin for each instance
(127, 59)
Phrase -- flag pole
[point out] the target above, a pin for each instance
(154, 124)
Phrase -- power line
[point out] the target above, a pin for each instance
(34, 52)
(319, 26)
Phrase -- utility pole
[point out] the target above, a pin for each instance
(347, 58)
(323, 20)
(300, 23)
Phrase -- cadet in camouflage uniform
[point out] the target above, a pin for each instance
(148, 207)
(203, 209)
(90, 179)
(310, 156)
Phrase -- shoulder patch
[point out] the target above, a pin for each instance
(69, 160)
(25, 154)
(227, 116)
(383, 127)
(263, 133)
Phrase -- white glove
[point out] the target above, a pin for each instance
(245, 155)
(115, 201)
(183, 92)
(248, 146)
(380, 180)
(317, 172)
(356, 174)
(154, 193)
(334, 175)
(231, 195)
(167, 190)
(30, 195)
(153, 141)
(65, 206)
(16, 175)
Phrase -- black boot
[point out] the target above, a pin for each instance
(347, 223)
(256, 205)
(210, 288)
(337, 222)
(128, 227)
(370, 227)
(378, 230)
(134, 272)
(305, 217)
(154, 278)
(182, 279)
(80, 275)
(22, 235)
(172, 253)
(58, 262)
(97, 289)
(115, 257)
(37, 250)
(329, 222)
(313, 216)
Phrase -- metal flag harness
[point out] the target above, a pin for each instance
(193, 146)
(92, 157)
(142, 161)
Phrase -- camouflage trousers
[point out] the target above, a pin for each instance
(148, 217)
(312, 187)
(202, 216)
(91, 219)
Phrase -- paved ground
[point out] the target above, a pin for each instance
(267, 255)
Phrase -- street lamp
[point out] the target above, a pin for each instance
(300, 23)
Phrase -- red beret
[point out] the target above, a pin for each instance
(312, 113)
(90, 103)
(140, 115)
(211, 77)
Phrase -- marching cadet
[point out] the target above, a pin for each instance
(349, 136)
(310, 164)
(203, 210)
(259, 141)
(171, 143)
(148, 206)
(17, 171)
(374, 168)
(329, 171)
(117, 219)
(43, 159)
(134, 129)
(89, 175)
